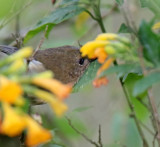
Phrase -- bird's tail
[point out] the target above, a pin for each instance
(8, 49)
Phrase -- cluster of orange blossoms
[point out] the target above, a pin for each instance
(13, 85)
(104, 47)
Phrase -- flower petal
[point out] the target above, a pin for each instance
(13, 124)
(9, 90)
(106, 36)
(57, 105)
(89, 48)
(35, 133)
(105, 66)
(101, 54)
(100, 81)
(55, 86)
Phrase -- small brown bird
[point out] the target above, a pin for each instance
(65, 62)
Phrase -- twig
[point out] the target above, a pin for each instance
(154, 139)
(149, 130)
(154, 110)
(80, 133)
(15, 14)
(99, 137)
(145, 144)
(96, 24)
(143, 103)
(41, 42)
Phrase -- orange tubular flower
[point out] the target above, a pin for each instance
(13, 124)
(105, 66)
(55, 86)
(101, 55)
(35, 133)
(9, 91)
(100, 81)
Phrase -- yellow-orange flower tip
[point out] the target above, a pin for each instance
(56, 104)
(16, 65)
(58, 107)
(101, 55)
(22, 53)
(13, 123)
(36, 134)
(156, 26)
(105, 66)
(89, 48)
(100, 81)
(106, 36)
(9, 90)
(55, 86)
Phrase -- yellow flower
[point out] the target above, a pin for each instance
(22, 53)
(35, 133)
(156, 26)
(89, 48)
(101, 54)
(18, 64)
(9, 90)
(107, 36)
(55, 86)
(13, 123)
(58, 107)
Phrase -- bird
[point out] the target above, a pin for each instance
(65, 62)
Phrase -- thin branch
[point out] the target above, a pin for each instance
(96, 24)
(154, 139)
(145, 127)
(93, 17)
(80, 133)
(154, 110)
(15, 14)
(143, 103)
(145, 144)
(99, 137)
(41, 42)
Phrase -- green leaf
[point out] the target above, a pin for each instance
(59, 15)
(153, 5)
(145, 83)
(144, 3)
(120, 2)
(122, 69)
(150, 42)
(87, 77)
(124, 29)
(141, 111)
(81, 109)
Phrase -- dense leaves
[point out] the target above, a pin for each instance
(150, 42)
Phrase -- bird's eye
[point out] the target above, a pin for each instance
(81, 61)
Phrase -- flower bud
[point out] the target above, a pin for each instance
(110, 50)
